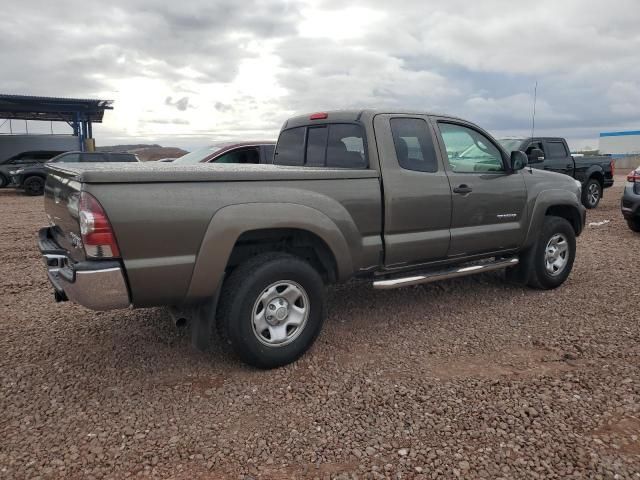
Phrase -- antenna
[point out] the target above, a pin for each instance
(533, 118)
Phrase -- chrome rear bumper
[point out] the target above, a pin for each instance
(96, 285)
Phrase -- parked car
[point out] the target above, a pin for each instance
(22, 160)
(595, 172)
(230, 152)
(368, 194)
(32, 178)
(631, 200)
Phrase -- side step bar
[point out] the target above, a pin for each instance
(387, 284)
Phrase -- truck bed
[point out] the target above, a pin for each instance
(161, 213)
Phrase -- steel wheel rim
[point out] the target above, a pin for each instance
(594, 193)
(280, 313)
(556, 254)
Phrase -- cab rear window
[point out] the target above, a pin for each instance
(335, 145)
(290, 148)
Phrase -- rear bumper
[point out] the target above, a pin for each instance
(98, 285)
(608, 182)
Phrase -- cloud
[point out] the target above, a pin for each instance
(229, 68)
(168, 121)
(181, 104)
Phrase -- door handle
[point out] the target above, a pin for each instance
(463, 189)
(569, 165)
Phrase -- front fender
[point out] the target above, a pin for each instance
(230, 222)
(545, 200)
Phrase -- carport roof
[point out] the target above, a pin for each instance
(26, 107)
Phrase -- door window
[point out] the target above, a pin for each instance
(413, 144)
(469, 151)
(556, 150)
(534, 146)
(242, 155)
(90, 157)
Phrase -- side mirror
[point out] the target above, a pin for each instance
(519, 160)
(536, 155)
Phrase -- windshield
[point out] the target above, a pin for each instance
(510, 144)
(198, 155)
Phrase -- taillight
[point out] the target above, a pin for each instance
(612, 163)
(634, 176)
(97, 234)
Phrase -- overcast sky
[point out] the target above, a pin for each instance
(191, 71)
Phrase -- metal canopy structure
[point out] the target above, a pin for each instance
(79, 113)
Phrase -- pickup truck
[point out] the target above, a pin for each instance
(594, 172)
(374, 195)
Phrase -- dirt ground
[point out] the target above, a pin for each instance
(470, 378)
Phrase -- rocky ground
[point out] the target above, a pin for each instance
(469, 378)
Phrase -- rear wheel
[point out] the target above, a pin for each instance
(591, 193)
(3, 181)
(634, 224)
(33, 186)
(271, 309)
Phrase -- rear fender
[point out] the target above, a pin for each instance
(595, 171)
(230, 222)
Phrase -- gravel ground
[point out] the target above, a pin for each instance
(469, 378)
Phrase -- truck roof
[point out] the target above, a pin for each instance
(354, 115)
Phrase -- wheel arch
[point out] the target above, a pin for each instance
(569, 213)
(559, 203)
(597, 174)
(237, 232)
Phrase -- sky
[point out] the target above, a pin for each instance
(189, 72)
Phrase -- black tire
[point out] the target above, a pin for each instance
(241, 293)
(591, 193)
(532, 270)
(634, 224)
(538, 274)
(3, 181)
(33, 186)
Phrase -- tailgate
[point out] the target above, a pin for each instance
(61, 203)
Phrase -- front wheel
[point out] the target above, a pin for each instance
(634, 224)
(33, 186)
(548, 263)
(271, 309)
(592, 193)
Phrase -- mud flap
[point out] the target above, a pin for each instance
(202, 321)
(520, 274)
